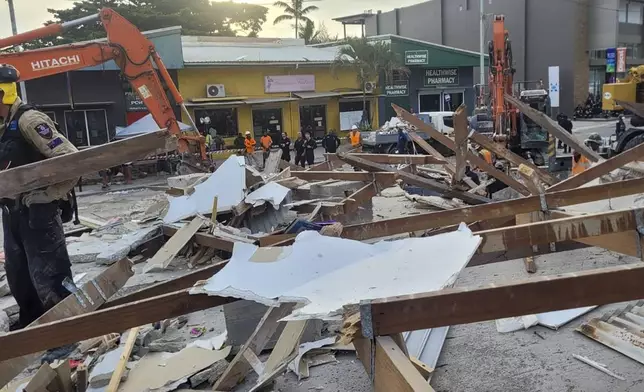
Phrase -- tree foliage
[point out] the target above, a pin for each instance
(294, 11)
(312, 36)
(197, 17)
(369, 60)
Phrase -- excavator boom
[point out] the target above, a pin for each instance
(133, 53)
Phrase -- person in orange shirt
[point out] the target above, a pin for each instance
(579, 162)
(354, 137)
(266, 142)
(249, 143)
(487, 155)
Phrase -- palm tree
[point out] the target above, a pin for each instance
(369, 60)
(294, 11)
(312, 36)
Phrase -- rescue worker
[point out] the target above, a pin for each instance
(209, 142)
(299, 150)
(620, 126)
(579, 162)
(354, 137)
(331, 142)
(309, 149)
(238, 143)
(36, 259)
(402, 142)
(487, 155)
(285, 146)
(249, 145)
(266, 141)
(566, 124)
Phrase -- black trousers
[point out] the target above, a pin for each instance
(299, 159)
(310, 157)
(36, 259)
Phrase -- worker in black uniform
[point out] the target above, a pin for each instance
(285, 146)
(309, 145)
(620, 126)
(566, 124)
(331, 142)
(36, 259)
(299, 150)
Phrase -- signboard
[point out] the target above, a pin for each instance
(621, 60)
(133, 103)
(611, 59)
(397, 90)
(416, 57)
(554, 87)
(289, 83)
(441, 77)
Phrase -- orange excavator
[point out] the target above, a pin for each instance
(133, 53)
(520, 134)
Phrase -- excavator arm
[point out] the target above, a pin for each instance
(133, 53)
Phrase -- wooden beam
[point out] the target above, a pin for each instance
(382, 177)
(66, 167)
(170, 249)
(511, 157)
(360, 197)
(460, 139)
(393, 370)
(553, 128)
(393, 159)
(492, 301)
(387, 227)
(559, 230)
(101, 322)
(600, 169)
(474, 159)
(115, 381)
(204, 239)
(431, 151)
(415, 180)
(87, 299)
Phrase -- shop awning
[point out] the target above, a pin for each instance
(329, 94)
(218, 99)
(214, 104)
(259, 101)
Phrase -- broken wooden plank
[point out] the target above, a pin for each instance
(500, 150)
(431, 150)
(41, 380)
(66, 167)
(388, 227)
(460, 138)
(393, 370)
(415, 180)
(493, 301)
(345, 176)
(63, 380)
(115, 381)
(82, 378)
(553, 128)
(474, 159)
(363, 195)
(102, 322)
(87, 299)
(239, 367)
(203, 239)
(170, 249)
(600, 169)
(392, 159)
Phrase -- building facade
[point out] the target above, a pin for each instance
(89, 104)
(234, 85)
(543, 33)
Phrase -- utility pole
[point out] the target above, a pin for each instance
(14, 30)
(482, 44)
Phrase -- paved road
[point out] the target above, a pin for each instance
(582, 129)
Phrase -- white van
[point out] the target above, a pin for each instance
(442, 121)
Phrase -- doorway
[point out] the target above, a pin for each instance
(440, 101)
(268, 120)
(313, 120)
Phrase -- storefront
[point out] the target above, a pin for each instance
(440, 78)
(296, 90)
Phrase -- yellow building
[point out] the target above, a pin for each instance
(236, 85)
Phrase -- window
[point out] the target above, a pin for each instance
(622, 11)
(87, 127)
(313, 120)
(634, 13)
(269, 120)
(224, 121)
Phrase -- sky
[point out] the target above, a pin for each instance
(31, 14)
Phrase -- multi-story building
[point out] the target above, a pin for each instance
(543, 33)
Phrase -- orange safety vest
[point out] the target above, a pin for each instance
(266, 142)
(580, 166)
(354, 136)
(487, 155)
(250, 145)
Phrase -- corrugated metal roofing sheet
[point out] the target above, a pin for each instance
(195, 52)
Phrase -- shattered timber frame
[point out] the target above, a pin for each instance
(378, 343)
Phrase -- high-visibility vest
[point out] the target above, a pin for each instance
(487, 155)
(580, 166)
(354, 136)
(250, 145)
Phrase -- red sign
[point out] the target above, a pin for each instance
(621, 60)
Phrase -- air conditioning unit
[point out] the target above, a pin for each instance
(215, 91)
(369, 87)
